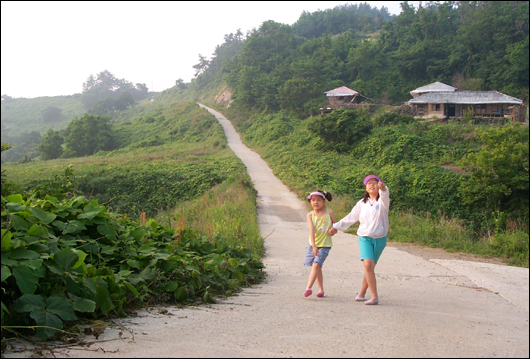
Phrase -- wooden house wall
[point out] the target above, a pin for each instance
(485, 110)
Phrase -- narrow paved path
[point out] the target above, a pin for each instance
(427, 309)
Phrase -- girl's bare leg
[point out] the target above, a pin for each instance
(364, 287)
(315, 272)
(369, 279)
(320, 279)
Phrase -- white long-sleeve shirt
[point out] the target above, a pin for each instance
(373, 217)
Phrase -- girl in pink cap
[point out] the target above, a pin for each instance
(372, 214)
(319, 221)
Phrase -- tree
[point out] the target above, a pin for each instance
(104, 86)
(124, 101)
(181, 84)
(51, 145)
(141, 92)
(51, 114)
(201, 66)
(88, 135)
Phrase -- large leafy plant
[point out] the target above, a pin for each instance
(67, 260)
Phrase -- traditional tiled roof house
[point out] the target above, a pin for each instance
(438, 103)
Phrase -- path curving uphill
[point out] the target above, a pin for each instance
(437, 308)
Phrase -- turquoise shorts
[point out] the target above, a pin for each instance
(371, 248)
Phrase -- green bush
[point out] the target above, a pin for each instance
(340, 129)
(393, 118)
(67, 260)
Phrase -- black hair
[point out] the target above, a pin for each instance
(328, 195)
(366, 196)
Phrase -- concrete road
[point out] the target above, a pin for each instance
(437, 308)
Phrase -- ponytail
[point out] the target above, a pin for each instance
(328, 195)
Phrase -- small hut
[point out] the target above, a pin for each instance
(344, 97)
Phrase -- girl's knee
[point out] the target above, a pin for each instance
(369, 265)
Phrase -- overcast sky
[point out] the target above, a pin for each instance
(50, 48)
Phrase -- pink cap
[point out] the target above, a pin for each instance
(369, 177)
(317, 193)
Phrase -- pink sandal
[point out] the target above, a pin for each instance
(372, 302)
(320, 294)
(308, 292)
(360, 299)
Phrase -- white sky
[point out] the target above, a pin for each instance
(50, 48)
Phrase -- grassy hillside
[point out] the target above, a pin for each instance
(25, 114)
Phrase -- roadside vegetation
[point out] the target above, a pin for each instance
(80, 242)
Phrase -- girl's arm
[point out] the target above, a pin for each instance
(312, 233)
(384, 195)
(350, 219)
(332, 216)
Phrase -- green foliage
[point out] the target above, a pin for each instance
(393, 118)
(135, 187)
(51, 114)
(358, 17)
(67, 260)
(23, 146)
(499, 170)
(122, 102)
(87, 135)
(61, 186)
(21, 114)
(452, 235)
(266, 128)
(340, 129)
(6, 187)
(51, 145)
(227, 210)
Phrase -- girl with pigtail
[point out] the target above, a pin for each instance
(319, 221)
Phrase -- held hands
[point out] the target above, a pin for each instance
(381, 186)
(315, 251)
(332, 231)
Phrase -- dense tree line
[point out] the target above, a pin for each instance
(473, 45)
(105, 93)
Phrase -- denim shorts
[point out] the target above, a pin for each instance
(371, 248)
(320, 258)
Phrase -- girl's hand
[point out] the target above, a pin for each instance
(381, 186)
(315, 251)
(332, 231)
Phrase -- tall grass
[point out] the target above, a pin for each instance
(510, 245)
(226, 212)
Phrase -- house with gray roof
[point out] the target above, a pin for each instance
(453, 104)
(344, 97)
(430, 88)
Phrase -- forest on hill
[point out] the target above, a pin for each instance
(471, 45)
